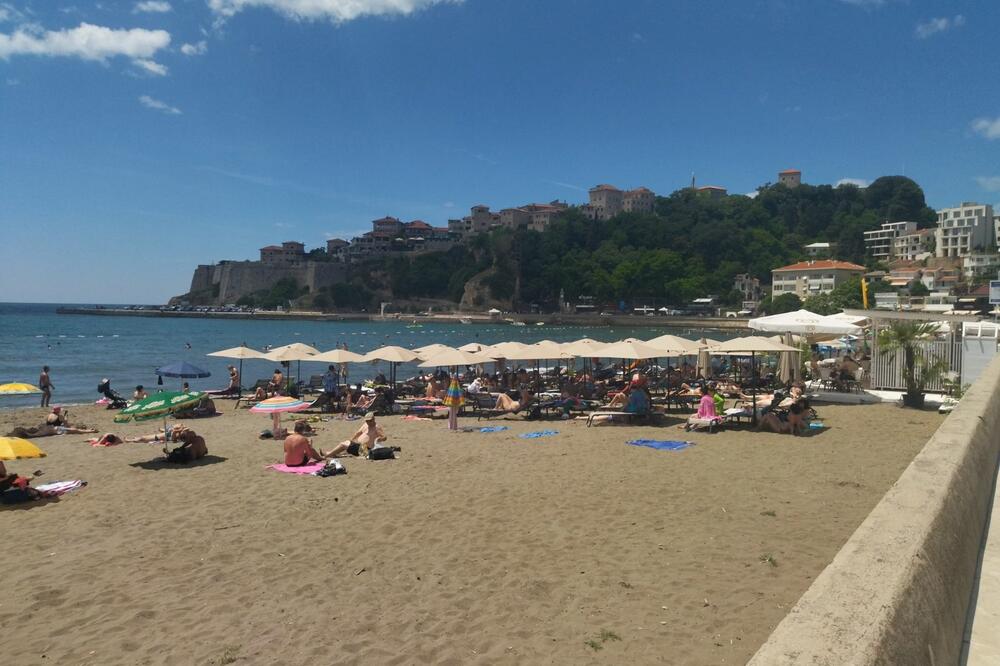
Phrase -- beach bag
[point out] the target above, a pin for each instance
(332, 468)
(381, 453)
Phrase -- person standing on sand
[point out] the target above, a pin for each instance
(45, 383)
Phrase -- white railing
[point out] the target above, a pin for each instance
(887, 369)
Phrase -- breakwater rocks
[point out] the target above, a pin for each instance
(716, 323)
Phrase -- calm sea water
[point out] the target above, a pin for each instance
(80, 350)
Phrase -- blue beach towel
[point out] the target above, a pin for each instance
(661, 445)
(493, 429)
(539, 433)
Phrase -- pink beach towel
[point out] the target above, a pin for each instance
(57, 488)
(302, 469)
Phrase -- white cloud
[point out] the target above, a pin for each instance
(856, 182)
(198, 48)
(752, 195)
(936, 25)
(9, 13)
(157, 105)
(987, 127)
(989, 183)
(337, 11)
(150, 66)
(152, 7)
(89, 42)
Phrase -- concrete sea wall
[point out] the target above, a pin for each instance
(899, 589)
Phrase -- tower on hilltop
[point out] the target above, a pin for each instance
(790, 177)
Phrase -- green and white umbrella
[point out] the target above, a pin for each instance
(159, 405)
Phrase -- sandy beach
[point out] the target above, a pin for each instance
(470, 548)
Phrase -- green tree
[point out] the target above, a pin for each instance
(782, 303)
(918, 368)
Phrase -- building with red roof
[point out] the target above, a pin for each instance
(811, 278)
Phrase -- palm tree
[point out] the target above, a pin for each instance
(918, 368)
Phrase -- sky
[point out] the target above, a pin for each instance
(139, 139)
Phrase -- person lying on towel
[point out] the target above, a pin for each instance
(192, 447)
(299, 450)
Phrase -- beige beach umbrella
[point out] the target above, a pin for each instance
(392, 354)
(337, 356)
(501, 349)
(751, 344)
(539, 352)
(675, 342)
(242, 352)
(293, 352)
(584, 348)
(628, 349)
(455, 357)
(473, 347)
(432, 348)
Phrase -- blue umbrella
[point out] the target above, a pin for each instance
(182, 369)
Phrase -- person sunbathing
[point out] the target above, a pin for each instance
(366, 437)
(299, 450)
(192, 446)
(14, 488)
(793, 422)
(365, 401)
(638, 403)
(508, 405)
(47, 430)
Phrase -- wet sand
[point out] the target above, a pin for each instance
(470, 548)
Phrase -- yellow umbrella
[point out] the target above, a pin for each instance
(12, 448)
(18, 388)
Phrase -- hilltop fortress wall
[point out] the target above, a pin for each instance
(235, 279)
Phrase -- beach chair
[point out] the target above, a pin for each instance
(630, 417)
(248, 398)
(314, 385)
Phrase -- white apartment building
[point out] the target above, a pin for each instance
(980, 265)
(809, 278)
(913, 246)
(880, 243)
(966, 229)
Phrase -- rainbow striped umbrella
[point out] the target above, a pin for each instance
(278, 404)
(454, 397)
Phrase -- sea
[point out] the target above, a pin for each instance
(81, 350)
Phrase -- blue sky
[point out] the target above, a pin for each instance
(138, 139)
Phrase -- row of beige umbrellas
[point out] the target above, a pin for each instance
(439, 355)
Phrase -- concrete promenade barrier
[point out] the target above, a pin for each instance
(898, 591)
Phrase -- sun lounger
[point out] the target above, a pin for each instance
(249, 398)
(628, 416)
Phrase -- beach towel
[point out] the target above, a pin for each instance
(816, 425)
(661, 445)
(301, 469)
(537, 434)
(491, 429)
(57, 488)
(414, 417)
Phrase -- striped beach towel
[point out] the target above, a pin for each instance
(57, 488)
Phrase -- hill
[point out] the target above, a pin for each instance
(690, 246)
